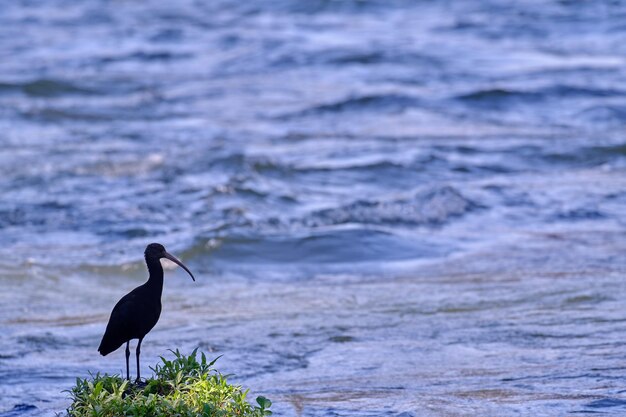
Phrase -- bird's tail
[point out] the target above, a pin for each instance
(107, 345)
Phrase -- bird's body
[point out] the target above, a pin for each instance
(139, 310)
(132, 318)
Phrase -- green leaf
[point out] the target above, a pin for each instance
(263, 402)
(214, 360)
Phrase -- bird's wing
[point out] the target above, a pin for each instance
(121, 323)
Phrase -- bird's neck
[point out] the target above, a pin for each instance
(155, 280)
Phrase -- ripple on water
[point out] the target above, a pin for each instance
(339, 245)
(607, 403)
(426, 208)
(475, 148)
(21, 410)
(45, 88)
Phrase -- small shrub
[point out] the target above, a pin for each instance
(183, 387)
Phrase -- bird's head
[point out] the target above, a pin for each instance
(157, 251)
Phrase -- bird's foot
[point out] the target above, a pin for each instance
(139, 383)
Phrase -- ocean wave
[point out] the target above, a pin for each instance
(506, 96)
(432, 207)
(45, 87)
(388, 103)
(329, 246)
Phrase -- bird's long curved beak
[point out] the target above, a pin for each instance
(179, 263)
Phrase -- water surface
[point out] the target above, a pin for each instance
(393, 208)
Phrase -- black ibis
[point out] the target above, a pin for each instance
(139, 310)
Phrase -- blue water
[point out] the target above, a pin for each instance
(393, 208)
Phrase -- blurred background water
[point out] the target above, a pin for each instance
(393, 208)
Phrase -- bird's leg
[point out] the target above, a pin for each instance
(127, 356)
(138, 352)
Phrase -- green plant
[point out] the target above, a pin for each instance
(182, 387)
